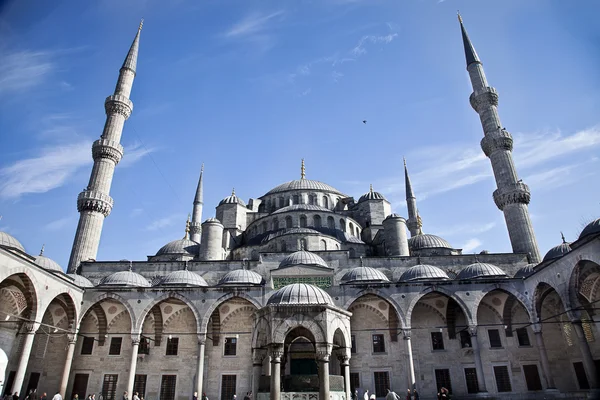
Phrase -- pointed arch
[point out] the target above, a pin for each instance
(215, 305)
(451, 295)
(113, 296)
(27, 287)
(160, 299)
(376, 292)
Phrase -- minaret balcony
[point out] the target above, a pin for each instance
(517, 193)
(499, 139)
(483, 98)
(104, 148)
(92, 200)
(118, 104)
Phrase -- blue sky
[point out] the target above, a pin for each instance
(251, 87)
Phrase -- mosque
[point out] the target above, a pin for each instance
(304, 293)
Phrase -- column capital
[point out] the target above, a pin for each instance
(344, 359)
(258, 355)
(72, 338)
(536, 328)
(276, 352)
(322, 355)
(406, 333)
(473, 330)
(202, 339)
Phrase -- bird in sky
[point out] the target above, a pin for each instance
(364, 121)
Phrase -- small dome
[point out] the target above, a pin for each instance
(592, 227)
(364, 274)
(125, 278)
(427, 241)
(300, 293)
(81, 281)
(525, 271)
(212, 221)
(480, 270)
(48, 263)
(241, 277)
(423, 272)
(183, 278)
(9, 241)
(371, 195)
(302, 257)
(303, 184)
(394, 215)
(181, 246)
(557, 251)
(233, 199)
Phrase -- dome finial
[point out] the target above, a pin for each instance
(130, 265)
(302, 245)
(42, 250)
(371, 188)
(233, 191)
(302, 171)
(419, 223)
(361, 261)
(187, 228)
(419, 259)
(561, 235)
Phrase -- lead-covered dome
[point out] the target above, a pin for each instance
(592, 227)
(233, 199)
(47, 263)
(303, 257)
(81, 281)
(557, 251)
(183, 278)
(241, 277)
(303, 184)
(300, 293)
(10, 241)
(423, 272)
(180, 247)
(125, 278)
(427, 241)
(480, 270)
(524, 271)
(371, 195)
(364, 274)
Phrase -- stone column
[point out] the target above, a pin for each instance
(29, 332)
(257, 365)
(477, 354)
(135, 343)
(67, 370)
(268, 366)
(588, 360)
(200, 367)
(345, 364)
(539, 340)
(411, 362)
(323, 360)
(276, 354)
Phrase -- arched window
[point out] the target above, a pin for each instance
(342, 225)
(330, 222)
(323, 245)
(281, 202)
(264, 227)
(311, 199)
(357, 232)
(283, 246)
(350, 228)
(337, 246)
(317, 221)
(303, 221)
(261, 207)
(325, 202)
(275, 224)
(288, 222)
(296, 199)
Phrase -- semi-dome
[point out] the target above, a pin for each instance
(233, 199)
(557, 251)
(300, 293)
(303, 184)
(427, 241)
(592, 227)
(182, 246)
(423, 272)
(183, 278)
(10, 241)
(81, 281)
(125, 278)
(371, 195)
(364, 274)
(524, 271)
(301, 207)
(47, 263)
(303, 257)
(241, 277)
(480, 270)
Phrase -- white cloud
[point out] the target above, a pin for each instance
(23, 69)
(465, 229)
(58, 224)
(252, 24)
(360, 48)
(471, 245)
(133, 153)
(136, 212)
(165, 222)
(336, 76)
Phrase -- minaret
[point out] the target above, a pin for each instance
(302, 170)
(512, 195)
(411, 204)
(94, 202)
(196, 225)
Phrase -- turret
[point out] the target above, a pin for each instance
(512, 196)
(196, 225)
(394, 233)
(211, 245)
(94, 202)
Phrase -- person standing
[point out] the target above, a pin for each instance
(408, 395)
(125, 396)
(366, 395)
(415, 394)
(391, 395)
(136, 396)
(57, 396)
(44, 396)
(247, 396)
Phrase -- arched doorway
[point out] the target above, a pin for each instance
(299, 350)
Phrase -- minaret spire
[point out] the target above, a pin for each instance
(196, 224)
(411, 203)
(94, 202)
(302, 170)
(512, 195)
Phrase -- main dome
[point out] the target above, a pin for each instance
(300, 293)
(302, 257)
(303, 184)
(181, 246)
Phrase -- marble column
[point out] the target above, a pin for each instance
(323, 360)
(135, 344)
(276, 354)
(28, 330)
(268, 366)
(412, 384)
(200, 366)
(67, 369)
(257, 366)
(345, 364)
(477, 355)
(539, 340)
(586, 354)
